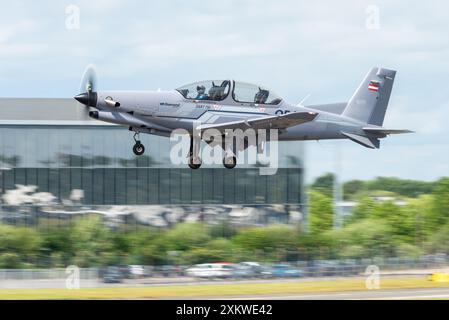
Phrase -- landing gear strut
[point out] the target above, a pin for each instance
(138, 147)
(194, 159)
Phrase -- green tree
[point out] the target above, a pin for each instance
(91, 241)
(440, 214)
(399, 219)
(216, 250)
(272, 242)
(324, 184)
(57, 242)
(21, 241)
(362, 210)
(422, 212)
(184, 236)
(363, 239)
(152, 253)
(10, 260)
(408, 188)
(320, 212)
(439, 241)
(352, 187)
(223, 229)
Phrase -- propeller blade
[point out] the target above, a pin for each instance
(89, 79)
(88, 87)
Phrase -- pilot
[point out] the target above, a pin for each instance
(201, 93)
(261, 96)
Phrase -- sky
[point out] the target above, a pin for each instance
(295, 48)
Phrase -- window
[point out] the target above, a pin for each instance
(212, 90)
(251, 93)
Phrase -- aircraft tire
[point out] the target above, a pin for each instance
(230, 165)
(192, 165)
(138, 149)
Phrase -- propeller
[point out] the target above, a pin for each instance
(88, 91)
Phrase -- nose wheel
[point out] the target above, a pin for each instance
(138, 147)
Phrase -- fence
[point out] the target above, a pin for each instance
(318, 268)
(42, 274)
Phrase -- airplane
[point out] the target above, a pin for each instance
(227, 104)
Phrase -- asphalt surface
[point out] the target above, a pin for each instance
(396, 294)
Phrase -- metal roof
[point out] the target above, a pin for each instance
(43, 111)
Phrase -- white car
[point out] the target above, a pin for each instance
(210, 270)
(136, 271)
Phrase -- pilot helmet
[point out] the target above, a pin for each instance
(200, 89)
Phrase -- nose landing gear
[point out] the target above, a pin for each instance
(138, 147)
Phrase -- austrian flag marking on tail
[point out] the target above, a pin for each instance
(373, 86)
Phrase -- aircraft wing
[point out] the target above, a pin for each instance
(269, 122)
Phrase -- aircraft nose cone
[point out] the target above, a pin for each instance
(82, 98)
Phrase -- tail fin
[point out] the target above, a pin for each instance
(369, 102)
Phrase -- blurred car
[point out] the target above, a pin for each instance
(148, 271)
(265, 271)
(124, 271)
(326, 268)
(241, 270)
(112, 275)
(136, 271)
(171, 271)
(211, 270)
(256, 266)
(248, 269)
(285, 271)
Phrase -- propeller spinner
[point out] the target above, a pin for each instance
(88, 89)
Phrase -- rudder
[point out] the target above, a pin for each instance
(370, 101)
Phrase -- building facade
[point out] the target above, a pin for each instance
(51, 145)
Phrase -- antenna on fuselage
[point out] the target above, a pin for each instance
(301, 103)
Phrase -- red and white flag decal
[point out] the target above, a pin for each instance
(373, 86)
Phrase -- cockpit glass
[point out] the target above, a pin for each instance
(251, 93)
(215, 90)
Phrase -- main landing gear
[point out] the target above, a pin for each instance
(194, 164)
(230, 162)
(194, 159)
(138, 147)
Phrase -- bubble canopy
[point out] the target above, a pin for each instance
(218, 90)
(215, 90)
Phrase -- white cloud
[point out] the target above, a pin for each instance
(427, 119)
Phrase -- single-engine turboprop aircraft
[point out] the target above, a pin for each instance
(229, 104)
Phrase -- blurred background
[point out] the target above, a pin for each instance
(72, 192)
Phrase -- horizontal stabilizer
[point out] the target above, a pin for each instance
(386, 131)
(372, 143)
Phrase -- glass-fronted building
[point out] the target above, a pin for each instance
(49, 144)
